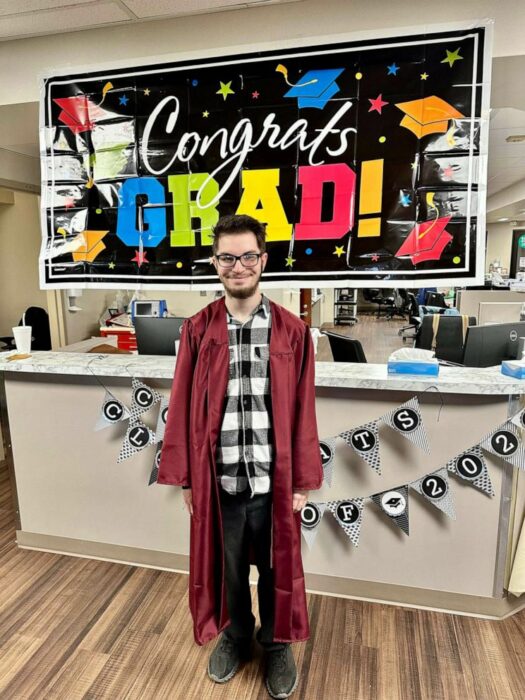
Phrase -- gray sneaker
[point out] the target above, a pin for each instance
(281, 673)
(225, 659)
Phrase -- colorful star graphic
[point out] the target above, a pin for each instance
(339, 250)
(424, 76)
(452, 57)
(225, 89)
(88, 245)
(405, 200)
(205, 114)
(111, 265)
(255, 95)
(290, 261)
(123, 100)
(375, 258)
(448, 171)
(147, 92)
(140, 258)
(377, 104)
(392, 69)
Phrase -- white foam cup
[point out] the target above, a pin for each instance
(22, 335)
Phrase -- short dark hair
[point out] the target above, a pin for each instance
(239, 223)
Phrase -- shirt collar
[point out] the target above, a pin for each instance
(263, 308)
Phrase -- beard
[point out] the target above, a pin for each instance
(244, 292)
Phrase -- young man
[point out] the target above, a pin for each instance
(241, 439)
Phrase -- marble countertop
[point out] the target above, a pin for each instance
(452, 380)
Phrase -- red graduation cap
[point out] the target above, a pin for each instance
(79, 113)
(426, 241)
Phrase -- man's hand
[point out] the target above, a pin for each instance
(299, 500)
(188, 501)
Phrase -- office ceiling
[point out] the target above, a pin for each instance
(26, 18)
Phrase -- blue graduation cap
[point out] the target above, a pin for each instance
(315, 88)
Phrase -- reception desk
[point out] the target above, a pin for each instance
(73, 497)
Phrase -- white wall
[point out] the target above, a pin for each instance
(19, 249)
(165, 39)
(499, 244)
(80, 325)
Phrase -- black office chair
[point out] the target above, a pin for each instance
(410, 331)
(38, 319)
(435, 299)
(345, 349)
(445, 335)
(384, 299)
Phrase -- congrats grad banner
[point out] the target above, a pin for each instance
(364, 159)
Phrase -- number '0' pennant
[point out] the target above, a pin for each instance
(470, 466)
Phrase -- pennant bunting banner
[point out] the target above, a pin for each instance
(161, 420)
(155, 470)
(112, 411)
(311, 516)
(470, 466)
(142, 398)
(394, 503)
(327, 447)
(505, 442)
(138, 436)
(519, 419)
(408, 421)
(435, 488)
(365, 441)
(349, 515)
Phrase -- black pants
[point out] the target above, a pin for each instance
(248, 521)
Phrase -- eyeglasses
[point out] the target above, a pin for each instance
(247, 259)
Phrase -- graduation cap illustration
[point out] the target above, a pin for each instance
(429, 115)
(315, 88)
(426, 241)
(80, 113)
(88, 245)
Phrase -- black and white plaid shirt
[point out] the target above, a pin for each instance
(244, 449)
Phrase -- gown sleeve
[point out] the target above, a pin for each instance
(174, 467)
(307, 470)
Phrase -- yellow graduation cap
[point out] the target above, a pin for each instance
(429, 115)
(89, 245)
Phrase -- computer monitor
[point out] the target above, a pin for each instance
(489, 345)
(157, 336)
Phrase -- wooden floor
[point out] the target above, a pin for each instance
(379, 337)
(75, 628)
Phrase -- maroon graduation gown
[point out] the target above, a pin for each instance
(188, 459)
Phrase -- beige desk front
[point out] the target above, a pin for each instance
(74, 498)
